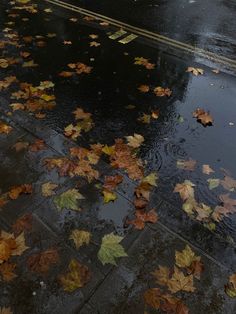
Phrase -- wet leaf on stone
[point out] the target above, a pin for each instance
(48, 189)
(7, 272)
(228, 183)
(144, 88)
(142, 217)
(111, 249)
(5, 128)
(15, 192)
(41, 262)
(161, 91)
(111, 182)
(37, 145)
(203, 117)
(80, 237)
(195, 71)
(76, 276)
(68, 200)
(162, 275)
(180, 282)
(186, 257)
(24, 223)
(109, 196)
(230, 288)
(19, 146)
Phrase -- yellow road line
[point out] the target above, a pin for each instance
(150, 35)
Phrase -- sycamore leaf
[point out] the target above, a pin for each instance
(186, 257)
(213, 183)
(230, 288)
(228, 183)
(80, 237)
(15, 192)
(76, 276)
(161, 92)
(143, 190)
(135, 141)
(206, 169)
(162, 275)
(108, 196)
(41, 262)
(48, 189)
(68, 200)
(185, 189)
(189, 205)
(195, 71)
(152, 297)
(203, 211)
(180, 282)
(111, 249)
(151, 179)
(144, 88)
(24, 223)
(20, 245)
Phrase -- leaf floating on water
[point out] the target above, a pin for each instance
(195, 71)
(185, 189)
(161, 92)
(48, 189)
(111, 249)
(186, 164)
(203, 117)
(135, 141)
(206, 169)
(213, 183)
(109, 196)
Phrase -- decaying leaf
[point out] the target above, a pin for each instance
(228, 183)
(111, 249)
(213, 183)
(180, 282)
(19, 146)
(162, 275)
(7, 272)
(142, 217)
(42, 261)
(152, 297)
(80, 237)
(186, 257)
(37, 145)
(15, 192)
(230, 288)
(5, 128)
(203, 117)
(111, 182)
(76, 276)
(186, 164)
(144, 62)
(48, 189)
(24, 223)
(195, 71)
(68, 200)
(144, 88)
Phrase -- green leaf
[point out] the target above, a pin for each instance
(68, 200)
(111, 249)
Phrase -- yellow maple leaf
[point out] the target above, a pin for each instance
(186, 257)
(80, 237)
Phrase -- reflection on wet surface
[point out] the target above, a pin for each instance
(110, 92)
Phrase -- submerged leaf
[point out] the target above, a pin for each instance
(68, 200)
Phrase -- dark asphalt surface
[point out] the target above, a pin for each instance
(175, 136)
(206, 24)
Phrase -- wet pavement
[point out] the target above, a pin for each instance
(54, 61)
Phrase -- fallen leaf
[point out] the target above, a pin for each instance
(203, 117)
(173, 305)
(7, 272)
(5, 310)
(140, 203)
(144, 88)
(111, 249)
(80, 237)
(66, 73)
(228, 183)
(24, 223)
(206, 169)
(108, 196)
(185, 189)
(111, 182)
(93, 36)
(76, 276)
(203, 212)
(162, 275)
(48, 189)
(37, 146)
(5, 128)
(68, 200)
(152, 297)
(135, 141)
(143, 190)
(180, 282)
(20, 245)
(81, 115)
(142, 217)
(144, 62)
(230, 288)
(41, 262)
(161, 92)
(186, 164)
(213, 183)
(195, 71)
(15, 192)
(94, 44)
(186, 257)
(19, 146)
(151, 179)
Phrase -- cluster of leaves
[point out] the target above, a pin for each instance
(158, 91)
(144, 62)
(36, 98)
(179, 279)
(84, 123)
(76, 68)
(14, 193)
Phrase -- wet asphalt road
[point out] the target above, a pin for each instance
(206, 24)
(107, 93)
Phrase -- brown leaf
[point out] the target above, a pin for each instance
(162, 275)
(144, 88)
(19, 146)
(24, 223)
(185, 189)
(206, 169)
(37, 145)
(81, 115)
(15, 192)
(143, 190)
(173, 305)
(160, 91)
(5, 128)
(142, 217)
(7, 271)
(180, 282)
(228, 183)
(186, 164)
(195, 71)
(196, 268)
(111, 182)
(76, 276)
(203, 117)
(152, 297)
(66, 73)
(140, 203)
(41, 262)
